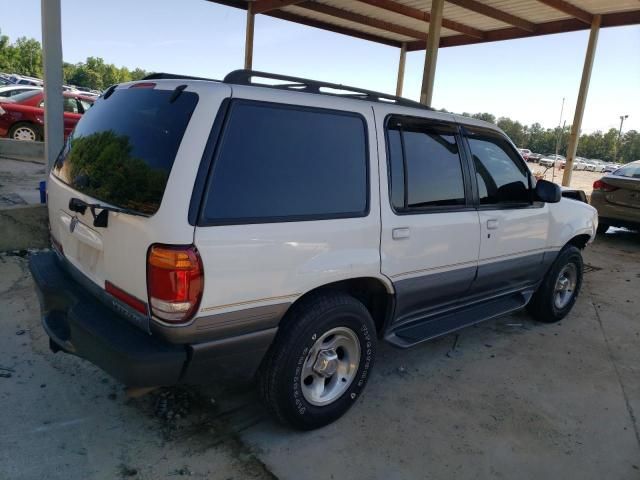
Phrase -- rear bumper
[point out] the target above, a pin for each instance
(79, 323)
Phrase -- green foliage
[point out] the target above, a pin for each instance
(24, 57)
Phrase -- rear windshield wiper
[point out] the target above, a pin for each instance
(100, 219)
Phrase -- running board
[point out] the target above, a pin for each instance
(431, 327)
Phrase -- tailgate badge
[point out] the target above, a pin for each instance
(73, 223)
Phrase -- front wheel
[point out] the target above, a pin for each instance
(320, 360)
(560, 287)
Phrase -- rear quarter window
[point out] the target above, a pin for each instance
(286, 163)
(122, 150)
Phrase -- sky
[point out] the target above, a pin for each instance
(523, 79)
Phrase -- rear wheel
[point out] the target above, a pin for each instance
(25, 131)
(560, 287)
(602, 228)
(320, 361)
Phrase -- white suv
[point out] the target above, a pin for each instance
(209, 231)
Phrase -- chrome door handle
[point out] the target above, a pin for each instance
(492, 224)
(400, 233)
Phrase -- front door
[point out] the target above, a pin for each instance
(514, 227)
(430, 234)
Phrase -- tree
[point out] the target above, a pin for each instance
(24, 57)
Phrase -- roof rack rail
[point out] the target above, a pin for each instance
(173, 76)
(244, 77)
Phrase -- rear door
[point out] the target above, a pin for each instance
(430, 234)
(289, 204)
(137, 149)
(514, 228)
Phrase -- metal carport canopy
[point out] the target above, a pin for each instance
(464, 22)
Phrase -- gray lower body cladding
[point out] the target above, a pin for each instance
(438, 303)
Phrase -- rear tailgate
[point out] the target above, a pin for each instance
(138, 149)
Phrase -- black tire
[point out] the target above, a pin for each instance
(281, 385)
(37, 132)
(602, 228)
(543, 306)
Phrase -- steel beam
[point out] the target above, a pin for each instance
(431, 56)
(582, 99)
(401, 62)
(248, 43)
(52, 66)
(570, 9)
(263, 6)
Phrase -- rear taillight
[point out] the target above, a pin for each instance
(603, 187)
(175, 281)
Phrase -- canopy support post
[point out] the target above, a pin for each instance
(582, 100)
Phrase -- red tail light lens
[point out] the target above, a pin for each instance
(603, 187)
(175, 281)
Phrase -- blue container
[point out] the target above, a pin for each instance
(43, 192)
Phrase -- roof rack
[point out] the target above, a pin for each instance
(173, 76)
(244, 77)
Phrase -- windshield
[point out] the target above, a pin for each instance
(123, 148)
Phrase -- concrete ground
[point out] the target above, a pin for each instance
(506, 399)
(19, 181)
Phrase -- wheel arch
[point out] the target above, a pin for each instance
(375, 294)
(580, 241)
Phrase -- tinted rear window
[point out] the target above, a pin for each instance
(286, 163)
(123, 148)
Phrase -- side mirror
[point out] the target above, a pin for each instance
(547, 192)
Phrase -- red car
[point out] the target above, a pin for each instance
(22, 116)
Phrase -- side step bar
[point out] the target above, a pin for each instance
(406, 336)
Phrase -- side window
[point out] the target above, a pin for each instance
(425, 167)
(284, 163)
(70, 105)
(502, 176)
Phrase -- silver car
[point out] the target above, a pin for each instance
(616, 196)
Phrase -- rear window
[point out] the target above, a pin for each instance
(629, 171)
(122, 150)
(287, 163)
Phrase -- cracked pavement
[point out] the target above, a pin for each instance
(513, 399)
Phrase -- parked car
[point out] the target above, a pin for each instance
(534, 157)
(552, 160)
(525, 152)
(22, 115)
(226, 231)
(11, 90)
(579, 163)
(598, 165)
(24, 80)
(616, 196)
(594, 166)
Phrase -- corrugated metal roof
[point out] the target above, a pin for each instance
(395, 22)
